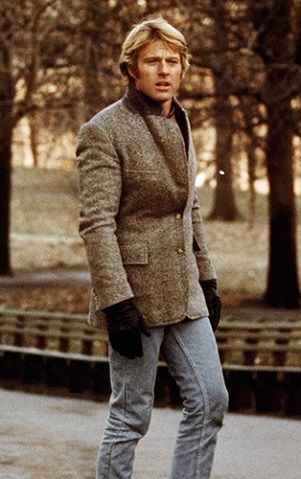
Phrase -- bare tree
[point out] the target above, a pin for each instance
(275, 45)
(263, 70)
(35, 73)
(209, 30)
(224, 207)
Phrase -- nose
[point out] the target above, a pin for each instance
(163, 67)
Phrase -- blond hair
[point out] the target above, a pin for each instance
(146, 32)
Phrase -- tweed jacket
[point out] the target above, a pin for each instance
(139, 215)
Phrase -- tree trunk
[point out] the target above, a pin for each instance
(251, 155)
(92, 87)
(34, 139)
(5, 190)
(283, 284)
(278, 49)
(6, 130)
(224, 207)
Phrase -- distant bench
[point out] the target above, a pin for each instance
(262, 346)
(62, 335)
(246, 346)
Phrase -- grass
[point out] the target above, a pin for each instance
(45, 232)
(44, 202)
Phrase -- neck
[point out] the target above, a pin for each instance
(166, 107)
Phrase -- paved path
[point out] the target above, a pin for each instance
(57, 438)
(44, 277)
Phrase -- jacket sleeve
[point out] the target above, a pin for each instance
(205, 265)
(100, 185)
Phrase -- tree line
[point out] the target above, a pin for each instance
(59, 62)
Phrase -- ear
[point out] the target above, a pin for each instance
(131, 72)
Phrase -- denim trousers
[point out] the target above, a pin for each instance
(190, 352)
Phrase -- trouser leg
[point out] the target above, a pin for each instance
(132, 382)
(190, 350)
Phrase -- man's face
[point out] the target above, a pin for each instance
(159, 73)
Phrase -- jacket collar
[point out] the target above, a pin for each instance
(140, 103)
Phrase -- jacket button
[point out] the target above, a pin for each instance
(178, 216)
(180, 250)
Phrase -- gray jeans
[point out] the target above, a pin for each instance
(190, 351)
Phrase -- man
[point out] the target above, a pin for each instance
(150, 269)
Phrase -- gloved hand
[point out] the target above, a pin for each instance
(125, 326)
(213, 301)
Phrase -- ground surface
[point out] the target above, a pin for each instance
(57, 438)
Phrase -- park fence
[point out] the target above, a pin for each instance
(60, 352)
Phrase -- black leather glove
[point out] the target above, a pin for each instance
(125, 326)
(213, 301)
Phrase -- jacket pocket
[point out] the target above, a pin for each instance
(134, 253)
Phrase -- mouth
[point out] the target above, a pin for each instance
(163, 84)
